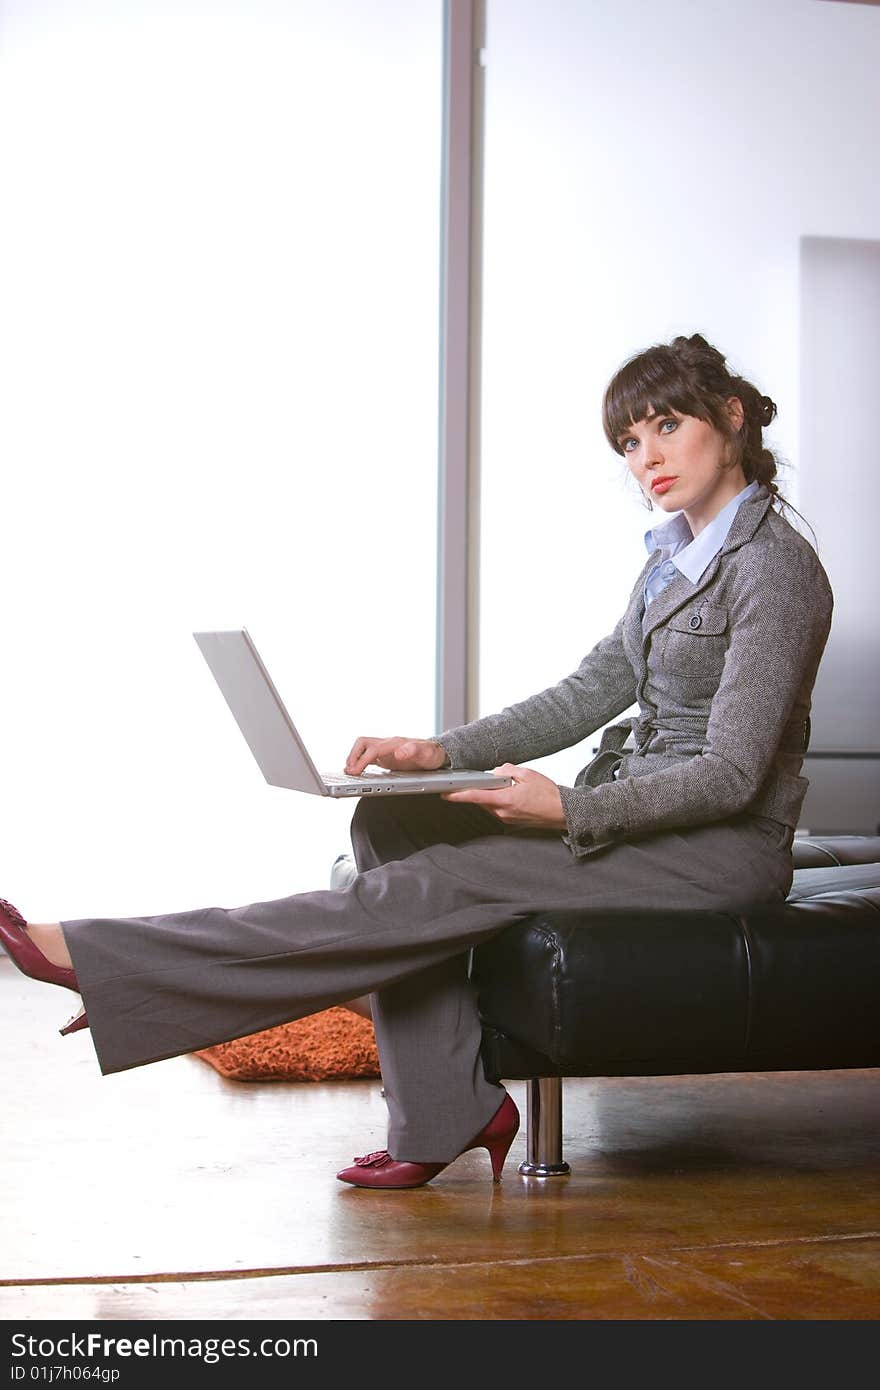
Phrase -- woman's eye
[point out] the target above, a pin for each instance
(672, 423)
(629, 445)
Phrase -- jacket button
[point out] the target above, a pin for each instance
(695, 622)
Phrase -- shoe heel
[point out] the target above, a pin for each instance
(498, 1149)
(79, 1020)
(499, 1134)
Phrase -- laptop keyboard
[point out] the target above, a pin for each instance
(336, 779)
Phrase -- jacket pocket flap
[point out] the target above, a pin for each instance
(702, 622)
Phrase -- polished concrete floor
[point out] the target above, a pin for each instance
(171, 1193)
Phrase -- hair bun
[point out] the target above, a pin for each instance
(698, 341)
(767, 410)
(699, 349)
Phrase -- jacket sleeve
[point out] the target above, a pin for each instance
(780, 619)
(563, 714)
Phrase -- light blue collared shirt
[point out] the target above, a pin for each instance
(683, 553)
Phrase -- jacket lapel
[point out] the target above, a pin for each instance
(746, 522)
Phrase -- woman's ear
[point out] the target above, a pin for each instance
(735, 412)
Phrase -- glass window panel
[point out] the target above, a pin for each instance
(218, 348)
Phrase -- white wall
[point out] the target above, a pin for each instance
(218, 356)
(651, 166)
(840, 315)
(840, 366)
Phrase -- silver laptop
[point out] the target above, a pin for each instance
(275, 743)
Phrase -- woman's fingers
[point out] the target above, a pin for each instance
(492, 799)
(359, 755)
(365, 750)
(497, 797)
(396, 754)
(533, 801)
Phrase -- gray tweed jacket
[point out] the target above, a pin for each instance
(722, 672)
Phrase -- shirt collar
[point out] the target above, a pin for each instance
(692, 554)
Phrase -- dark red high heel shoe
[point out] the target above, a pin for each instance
(379, 1169)
(31, 961)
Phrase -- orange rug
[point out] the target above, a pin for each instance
(335, 1045)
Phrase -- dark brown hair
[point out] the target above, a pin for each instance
(692, 377)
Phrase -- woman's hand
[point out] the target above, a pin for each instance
(531, 802)
(395, 754)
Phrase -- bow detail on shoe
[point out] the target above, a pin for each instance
(374, 1160)
(13, 913)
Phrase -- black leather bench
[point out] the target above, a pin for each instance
(788, 987)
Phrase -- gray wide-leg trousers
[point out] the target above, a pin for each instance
(435, 879)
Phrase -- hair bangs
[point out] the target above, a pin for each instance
(653, 383)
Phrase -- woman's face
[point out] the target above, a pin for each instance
(680, 463)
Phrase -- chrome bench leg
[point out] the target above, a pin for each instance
(544, 1129)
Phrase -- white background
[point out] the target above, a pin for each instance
(218, 363)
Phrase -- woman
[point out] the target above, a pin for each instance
(719, 647)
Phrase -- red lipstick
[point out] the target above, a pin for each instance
(662, 484)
